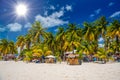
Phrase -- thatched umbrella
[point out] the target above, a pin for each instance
(50, 56)
(73, 59)
(50, 59)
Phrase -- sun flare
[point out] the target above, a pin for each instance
(21, 9)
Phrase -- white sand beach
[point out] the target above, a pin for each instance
(10, 70)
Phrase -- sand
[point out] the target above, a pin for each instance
(10, 70)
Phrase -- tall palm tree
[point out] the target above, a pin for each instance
(72, 36)
(51, 42)
(60, 39)
(38, 32)
(114, 32)
(101, 24)
(13, 48)
(20, 42)
(5, 48)
(28, 40)
(89, 32)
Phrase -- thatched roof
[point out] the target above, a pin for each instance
(72, 55)
(70, 52)
(50, 56)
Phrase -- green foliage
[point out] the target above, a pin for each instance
(28, 56)
(0, 57)
(39, 42)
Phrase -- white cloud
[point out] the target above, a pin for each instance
(111, 4)
(56, 30)
(2, 29)
(97, 11)
(100, 39)
(101, 45)
(68, 7)
(57, 14)
(28, 25)
(51, 20)
(116, 14)
(62, 8)
(52, 7)
(14, 27)
(92, 15)
(46, 13)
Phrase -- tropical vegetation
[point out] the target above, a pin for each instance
(85, 39)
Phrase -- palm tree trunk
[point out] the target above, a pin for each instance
(117, 41)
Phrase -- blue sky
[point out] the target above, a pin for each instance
(52, 13)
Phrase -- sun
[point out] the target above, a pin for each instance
(21, 9)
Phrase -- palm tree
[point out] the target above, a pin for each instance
(101, 24)
(20, 42)
(87, 48)
(90, 32)
(13, 48)
(38, 32)
(72, 36)
(4, 47)
(102, 54)
(60, 39)
(114, 32)
(28, 40)
(51, 42)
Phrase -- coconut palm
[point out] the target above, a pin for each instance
(60, 39)
(20, 42)
(4, 47)
(51, 42)
(72, 36)
(13, 48)
(114, 32)
(101, 24)
(102, 54)
(28, 40)
(90, 32)
(38, 32)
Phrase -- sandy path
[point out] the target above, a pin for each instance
(11, 70)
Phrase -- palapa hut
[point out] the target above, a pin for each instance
(73, 59)
(67, 53)
(50, 59)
